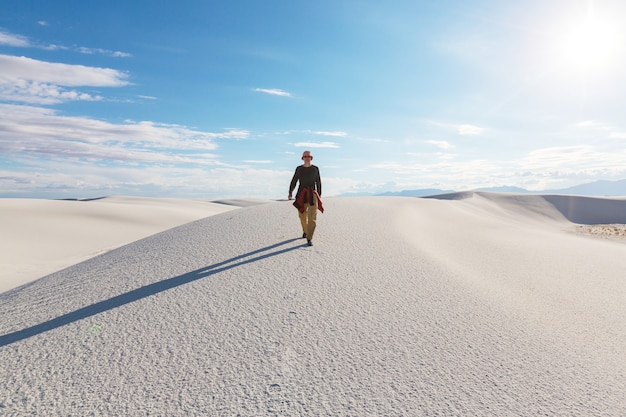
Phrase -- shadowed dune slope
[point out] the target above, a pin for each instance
(576, 209)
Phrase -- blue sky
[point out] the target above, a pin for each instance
(216, 99)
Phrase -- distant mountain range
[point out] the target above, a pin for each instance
(595, 189)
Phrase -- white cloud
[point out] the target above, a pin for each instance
(587, 123)
(273, 91)
(559, 156)
(100, 51)
(20, 41)
(14, 40)
(461, 129)
(469, 130)
(446, 174)
(337, 134)
(552, 165)
(32, 81)
(594, 124)
(119, 54)
(316, 145)
(53, 47)
(442, 144)
(445, 156)
(41, 93)
(330, 133)
(78, 179)
(39, 131)
(23, 68)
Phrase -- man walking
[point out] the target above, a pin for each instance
(308, 196)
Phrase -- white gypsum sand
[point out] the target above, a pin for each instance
(43, 236)
(482, 306)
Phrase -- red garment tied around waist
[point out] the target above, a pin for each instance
(306, 197)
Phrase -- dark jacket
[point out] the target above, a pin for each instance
(308, 177)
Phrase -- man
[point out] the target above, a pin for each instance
(308, 196)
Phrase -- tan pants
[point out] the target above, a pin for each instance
(308, 218)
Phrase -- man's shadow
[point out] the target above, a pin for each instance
(146, 291)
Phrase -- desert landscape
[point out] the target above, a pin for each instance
(465, 304)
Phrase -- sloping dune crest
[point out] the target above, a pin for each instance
(577, 209)
(481, 306)
(41, 236)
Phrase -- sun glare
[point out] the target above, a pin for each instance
(589, 44)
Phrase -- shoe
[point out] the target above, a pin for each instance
(308, 242)
(303, 235)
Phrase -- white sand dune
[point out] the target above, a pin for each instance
(43, 236)
(467, 305)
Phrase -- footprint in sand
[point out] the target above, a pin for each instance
(293, 317)
(274, 388)
(276, 403)
(291, 294)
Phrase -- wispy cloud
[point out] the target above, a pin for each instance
(337, 134)
(10, 39)
(44, 154)
(565, 157)
(594, 125)
(587, 123)
(41, 93)
(19, 41)
(442, 144)
(77, 179)
(606, 129)
(38, 82)
(273, 92)
(539, 169)
(555, 166)
(62, 74)
(100, 51)
(460, 129)
(316, 145)
(39, 131)
(306, 132)
(469, 130)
